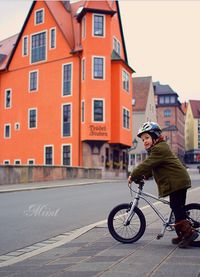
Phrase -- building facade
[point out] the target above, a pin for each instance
(144, 109)
(66, 87)
(170, 117)
(192, 132)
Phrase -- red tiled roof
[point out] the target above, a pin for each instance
(195, 106)
(100, 5)
(63, 19)
(141, 86)
(65, 14)
(6, 47)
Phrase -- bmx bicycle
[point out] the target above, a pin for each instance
(127, 223)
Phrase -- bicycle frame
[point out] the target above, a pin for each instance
(139, 194)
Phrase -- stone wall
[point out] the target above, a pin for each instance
(26, 174)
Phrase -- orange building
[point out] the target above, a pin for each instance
(65, 87)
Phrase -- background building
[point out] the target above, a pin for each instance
(170, 117)
(192, 132)
(66, 87)
(144, 109)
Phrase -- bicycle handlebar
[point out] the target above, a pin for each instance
(139, 182)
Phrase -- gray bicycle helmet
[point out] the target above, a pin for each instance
(150, 127)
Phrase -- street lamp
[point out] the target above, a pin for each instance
(135, 143)
(133, 147)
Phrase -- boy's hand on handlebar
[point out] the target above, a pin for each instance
(136, 180)
(129, 181)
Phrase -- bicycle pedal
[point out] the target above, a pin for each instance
(159, 236)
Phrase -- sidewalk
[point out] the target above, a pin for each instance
(96, 253)
(51, 184)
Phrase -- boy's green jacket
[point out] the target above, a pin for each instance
(167, 170)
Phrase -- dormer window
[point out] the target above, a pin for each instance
(39, 17)
(167, 100)
(98, 25)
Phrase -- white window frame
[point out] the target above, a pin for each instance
(83, 67)
(17, 160)
(83, 28)
(71, 93)
(6, 90)
(98, 99)
(104, 62)
(6, 162)
(23, 46)
(104, 25)
(62, 146)
(127, 110)
(29, 82)
(118, 44)
(45, 146)
(71, 123)
(35, 23)
(82, 112)
(50, 38)
(7, 124)
(37, 33)
(32, 128)
(126, 72)
(31, 160)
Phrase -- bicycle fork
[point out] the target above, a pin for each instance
(131, 212)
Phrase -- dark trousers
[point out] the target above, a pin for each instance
(177, 202)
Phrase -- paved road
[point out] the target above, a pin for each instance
(96, 253)
(28, 217)
(90, 250)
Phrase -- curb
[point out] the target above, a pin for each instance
(38, 187)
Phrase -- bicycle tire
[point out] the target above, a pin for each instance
(193, 215)
(130, 233)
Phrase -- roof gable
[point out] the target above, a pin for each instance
(62, 17)
(65, 15)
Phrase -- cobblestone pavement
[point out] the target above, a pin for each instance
(96, 253)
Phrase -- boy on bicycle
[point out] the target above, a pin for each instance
(170, 175)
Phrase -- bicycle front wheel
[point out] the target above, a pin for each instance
(193, 215)
(131, 232)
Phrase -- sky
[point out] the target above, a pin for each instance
(162, 39)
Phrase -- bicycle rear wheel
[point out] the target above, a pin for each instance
(193, 215)
(131, 232)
